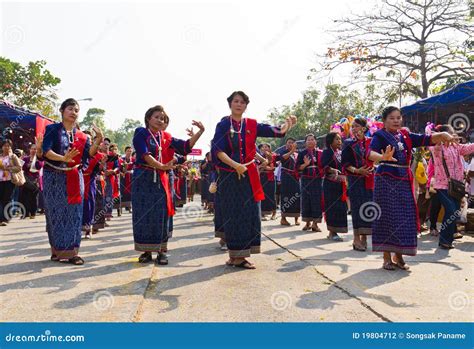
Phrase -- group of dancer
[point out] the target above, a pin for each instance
(238, 183)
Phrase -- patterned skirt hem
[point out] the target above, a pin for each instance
(244, 253)
(363, 231)
(148, 247)
(394, 249)
(255, 249)
(64, 254)
(291, 215)
(239, 253)
(309, 219)
(338, 229)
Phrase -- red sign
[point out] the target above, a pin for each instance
(196, 152)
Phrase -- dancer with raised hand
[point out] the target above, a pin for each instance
(360, 182)
(152, 199)
(240, 190)
(267, 178)
(310, 166)
(66, 150)
(395, 229)
(334, 187)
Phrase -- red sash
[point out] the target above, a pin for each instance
(406, 137)
(370, 179)
(251, 150)
(128, 177)
(113, 180)
(271, 174)
(72, 176)
(165, 138)
(87, 174)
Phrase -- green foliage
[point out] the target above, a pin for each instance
(317, 111)
(30, 86)
(94, 116)
(124, 135)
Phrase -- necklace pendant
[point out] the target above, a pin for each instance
(400, 146)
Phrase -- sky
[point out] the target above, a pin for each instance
(188, 56)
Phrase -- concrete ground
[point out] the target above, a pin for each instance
(300, 276)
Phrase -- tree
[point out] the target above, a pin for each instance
(316, 112)
(30, 87)
(94, 116)
(124, 135)
(412, 45)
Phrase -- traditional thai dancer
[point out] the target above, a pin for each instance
(395, 228)
(181, 183)
(90, 173)
(112, 188)
(334, 187)
(360, 182)
(240, 190)
(126, 180)
(267, 178)
(205, 168)
(310, 165)
(152, 201)
(290, 202)
(66, 149)
(99, 210)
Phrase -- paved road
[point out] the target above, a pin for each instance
(300, 277)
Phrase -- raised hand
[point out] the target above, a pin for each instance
(307, 160)
(190, 132)
(99, 136)
(70, 155)
(387, 155)
(292, 119)
(199, 125)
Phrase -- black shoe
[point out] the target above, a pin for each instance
(446, 246)
(162, 259)
(145, 258)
